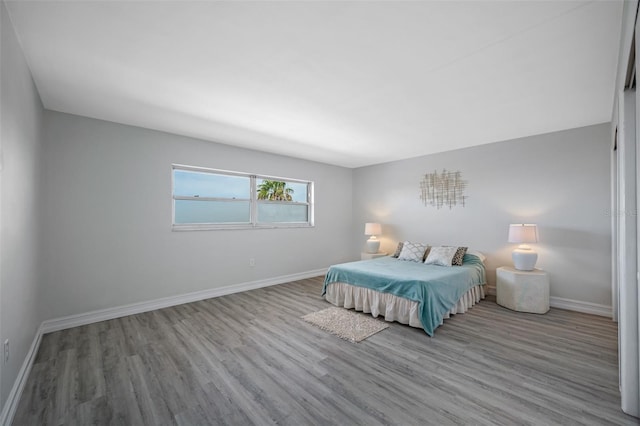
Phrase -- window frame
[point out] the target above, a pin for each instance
(253, 202)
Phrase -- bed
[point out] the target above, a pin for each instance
(408, 292)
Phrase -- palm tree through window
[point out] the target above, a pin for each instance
(275, 190)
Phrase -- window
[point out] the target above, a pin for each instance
(217, 199)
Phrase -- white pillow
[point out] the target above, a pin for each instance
(412, 251)
(442, 256)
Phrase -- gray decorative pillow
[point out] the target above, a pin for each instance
(442, 256)
(459, 256)
(398, 250)
(412, 251)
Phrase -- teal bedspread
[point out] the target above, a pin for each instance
(436, 288)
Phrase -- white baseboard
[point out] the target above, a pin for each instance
(137, 308)
(11, 405)
(571, 305)
(579, 306)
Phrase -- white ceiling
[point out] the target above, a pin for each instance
(348, 83)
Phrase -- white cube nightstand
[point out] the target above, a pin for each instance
(523, 291)
(367, 256)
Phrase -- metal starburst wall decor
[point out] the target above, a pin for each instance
(443, 189)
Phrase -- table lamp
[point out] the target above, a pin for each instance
(373, 229)
(524, 258)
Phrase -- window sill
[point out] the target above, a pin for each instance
(208, 227)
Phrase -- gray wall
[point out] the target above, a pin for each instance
(107, 228)
(19, 205)
(559, 180)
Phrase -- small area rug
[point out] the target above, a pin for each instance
(347, 325)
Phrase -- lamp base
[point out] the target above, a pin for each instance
(524, 259)
(373, 245)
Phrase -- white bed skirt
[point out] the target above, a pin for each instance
(391, 307)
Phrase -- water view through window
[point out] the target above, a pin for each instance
(215, 198)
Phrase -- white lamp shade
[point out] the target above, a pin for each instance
(372, 229)
(523, 233)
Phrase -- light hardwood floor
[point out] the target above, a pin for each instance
(248, 358)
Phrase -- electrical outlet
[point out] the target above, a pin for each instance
(6, 351)
(252, 262)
